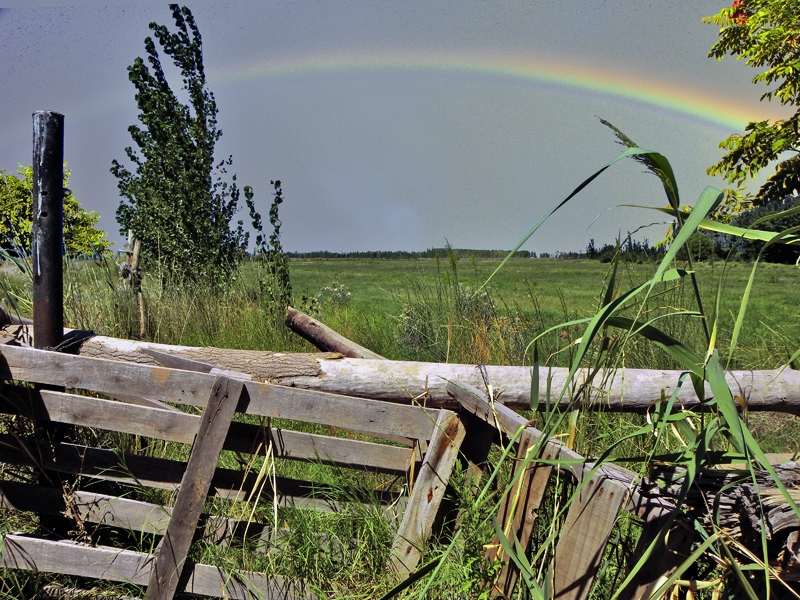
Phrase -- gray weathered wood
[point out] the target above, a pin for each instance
(186, 387)
(174, 548)
(173, 361)
(629, 390)
(519, 509)
(113, 564)
(584, 536)
(325, 338)
(176, 426)
(162, 473)
(122, 513)
(427, 494)
(642, 504)
(664, 559)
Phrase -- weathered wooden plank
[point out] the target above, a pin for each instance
(519, 509)
(174, 548)
(427, 494)
(174, 361)
(584, 536)
(640, 503)
(176, 426)
(162, 473)
(664, 559)
(122, 513)
(187, 387)
(113, 564)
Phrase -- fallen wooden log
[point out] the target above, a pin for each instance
(626, 390)
(324, 338)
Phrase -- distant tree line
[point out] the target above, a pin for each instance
(405, 254)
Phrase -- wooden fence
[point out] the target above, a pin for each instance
(432, 437)
(420, 444)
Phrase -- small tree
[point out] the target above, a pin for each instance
(176, 200)
(766, 33)
(81, 237)
(276, 285)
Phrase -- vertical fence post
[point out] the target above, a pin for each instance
(48, 229)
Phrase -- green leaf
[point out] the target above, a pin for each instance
(535, 379)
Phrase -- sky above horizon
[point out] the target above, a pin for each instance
(400, 126)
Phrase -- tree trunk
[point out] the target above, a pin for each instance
(629, 390)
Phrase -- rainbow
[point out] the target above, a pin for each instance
(684, 101)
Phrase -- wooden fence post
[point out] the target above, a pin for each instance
(48, 229)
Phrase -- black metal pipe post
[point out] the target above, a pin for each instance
(48, 229)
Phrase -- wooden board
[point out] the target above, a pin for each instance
(629, 390)
(162, 473)
(176, 426)
(113, 564)
(122, 513)
(639, 502)
(171, 553)
(519, 509)
(427, 494)
(187, 387)
(664, 559)
(584, 536)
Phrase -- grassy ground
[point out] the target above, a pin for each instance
(432, 310)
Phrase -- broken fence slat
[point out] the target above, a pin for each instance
(427, 494)
(520, 507)
(174, 548)
(643, 505)
(187, 387)
(176, 426)
(584, 536)
(113, 564)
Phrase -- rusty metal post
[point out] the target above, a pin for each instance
(48, 229)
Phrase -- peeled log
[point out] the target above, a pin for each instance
(628, 390)
(325, 338)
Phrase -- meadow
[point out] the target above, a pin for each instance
(436, 310)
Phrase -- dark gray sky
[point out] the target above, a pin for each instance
(397, 125)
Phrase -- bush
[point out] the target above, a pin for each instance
(777, 253)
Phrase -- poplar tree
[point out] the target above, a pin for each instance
(766, 35)
(176, 200)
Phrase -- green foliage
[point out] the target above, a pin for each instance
(275, 282)
(766, 34)
(176, 200)
(699, 245)
(777, 253)
(81, 236)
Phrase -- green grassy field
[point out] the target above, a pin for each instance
(551, 291)
(432, 310)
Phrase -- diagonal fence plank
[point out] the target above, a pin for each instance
(428, 491)
(519, 509)
(584, 536)
(214, 424)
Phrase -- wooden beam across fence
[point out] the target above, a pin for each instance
(175, 426)
(623, 390)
